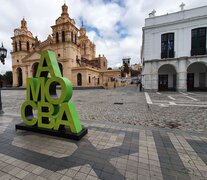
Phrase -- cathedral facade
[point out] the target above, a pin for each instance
(75, 53)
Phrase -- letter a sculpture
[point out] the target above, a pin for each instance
(56, 115)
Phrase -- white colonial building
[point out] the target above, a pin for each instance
(174, 53)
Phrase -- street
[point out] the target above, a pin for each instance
(185, 111)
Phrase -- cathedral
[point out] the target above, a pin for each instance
(75, 53)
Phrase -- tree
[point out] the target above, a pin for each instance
(126, 68)
(1, 80)
(8, 77)
(134, 73)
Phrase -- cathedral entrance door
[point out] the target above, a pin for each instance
(79, 79)
(19, 74)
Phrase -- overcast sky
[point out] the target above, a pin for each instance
(115, 26)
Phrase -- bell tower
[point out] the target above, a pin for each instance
(22, 43)
(64, 29)
(23, 39)
(82, 30)
(88, 49)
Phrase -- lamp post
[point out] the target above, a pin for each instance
(3, 53)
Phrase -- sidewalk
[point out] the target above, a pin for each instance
(108, 151)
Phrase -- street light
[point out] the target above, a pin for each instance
(3, 53)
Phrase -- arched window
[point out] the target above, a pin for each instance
(89, 79)
(61, 68)
(57, 37)
(19, 76)
(20, 45)
(75, 39)
(63, 36)
(15, 46)
(27, 45)
(79, 79)
(34, 69)
(72, 36)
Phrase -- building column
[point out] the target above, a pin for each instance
(150, 76)
(182, 81)
(67, 36)
(15, 77)
(67, 71)
(150, 82)
(24, 76)
(182, 76)
(154, 81)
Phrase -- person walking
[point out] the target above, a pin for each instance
(140, 86)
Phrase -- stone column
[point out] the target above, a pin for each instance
(69, 36)
(15, 76)
(67, 71)
(24, 46)
(146, 76)
(150, 78)
(182, 76)
(24, 76)
(154, 81)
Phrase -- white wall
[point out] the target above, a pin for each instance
(177, 16)
(177, 23)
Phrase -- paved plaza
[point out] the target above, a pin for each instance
(131, 135)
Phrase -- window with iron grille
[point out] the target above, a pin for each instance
(198, 41)
(167, 45)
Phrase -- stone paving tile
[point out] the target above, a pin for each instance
(5, 177)
(55, 176)
(22, 174)
(143, 177)
(89, 177)
(30, 176)
(40, 178)
(71, 173)
(38, 170)
(80, 176)
(85, 169)
(46, 173)
(14, 178)
(66, 178)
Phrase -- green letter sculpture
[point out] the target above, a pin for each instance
(56, 115)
